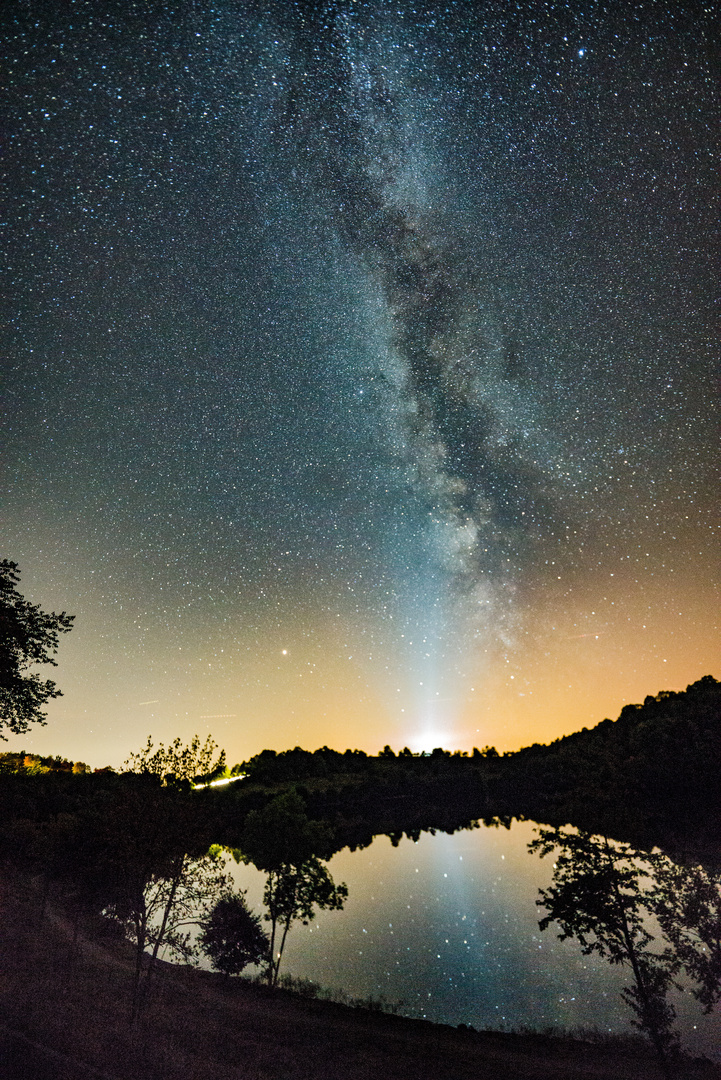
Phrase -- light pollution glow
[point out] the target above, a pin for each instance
(362, 371)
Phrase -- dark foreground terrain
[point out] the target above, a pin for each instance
(64, 1011)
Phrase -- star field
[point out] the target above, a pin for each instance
(362, 380)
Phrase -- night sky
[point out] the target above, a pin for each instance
(363, 378)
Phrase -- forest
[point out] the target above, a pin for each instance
(143, 853)
(650, 776)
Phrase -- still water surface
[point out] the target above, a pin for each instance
(448, 926)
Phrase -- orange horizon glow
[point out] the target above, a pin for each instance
(571, 668)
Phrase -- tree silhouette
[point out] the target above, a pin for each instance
(28, 636)
(178, 764)
(155, 869)
(284, 843)
(291, 893)
(232, 937)
(687, 904)
(598, 897)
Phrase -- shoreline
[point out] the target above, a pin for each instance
(66, 1003)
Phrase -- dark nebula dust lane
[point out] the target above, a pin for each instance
(351, 122)
(363, 365)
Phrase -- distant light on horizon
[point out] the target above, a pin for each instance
(438, 413)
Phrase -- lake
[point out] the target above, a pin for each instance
(448, 928)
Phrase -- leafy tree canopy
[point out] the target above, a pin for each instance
(28, 636)
(600, 897)
(232, 936)
(178, 764)
(285, 843)
(282, 834)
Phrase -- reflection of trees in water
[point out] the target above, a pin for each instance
(285, 844)
(688, 908)
(604, 894)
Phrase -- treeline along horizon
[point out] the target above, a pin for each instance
(650, 775)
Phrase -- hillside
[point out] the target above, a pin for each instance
(65, 1012)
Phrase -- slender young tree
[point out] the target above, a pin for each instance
(160, 877)
(283, 842)
(292, 893)
(157, 893)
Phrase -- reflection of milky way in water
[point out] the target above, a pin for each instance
(449, 926)
(379, 336)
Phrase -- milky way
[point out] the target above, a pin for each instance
(363, 364)
(357, 159)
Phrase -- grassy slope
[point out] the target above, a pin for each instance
(64, 1017)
